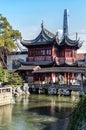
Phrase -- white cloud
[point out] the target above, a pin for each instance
(30, 32)
(82, 37)
(83, 48)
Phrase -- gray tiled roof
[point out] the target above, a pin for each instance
(45, 37)
(61, 69)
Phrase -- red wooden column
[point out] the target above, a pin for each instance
(53, 52)
(65, 78)
(68, 78)
(53, 77)
(73, 78)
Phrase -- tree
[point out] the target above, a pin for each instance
(78, 119)
(15, 79)
(4, 75)
(8, 36)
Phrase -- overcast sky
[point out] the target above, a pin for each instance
(27, 16)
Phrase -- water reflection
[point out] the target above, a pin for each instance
(37, 112)
(5, 117)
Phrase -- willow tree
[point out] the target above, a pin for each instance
(8, 38)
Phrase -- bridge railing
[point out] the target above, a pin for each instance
(57, 86)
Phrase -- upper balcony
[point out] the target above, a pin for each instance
(65, 60)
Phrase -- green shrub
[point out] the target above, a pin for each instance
(79, 115)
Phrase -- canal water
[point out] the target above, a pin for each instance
(38, 112)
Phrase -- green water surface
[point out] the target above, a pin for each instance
(38, 112)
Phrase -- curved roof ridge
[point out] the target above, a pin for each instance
(43, 36)
(37, 63)
(30, 41)
(65, 40)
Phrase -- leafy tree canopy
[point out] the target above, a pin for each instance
(4, 74)
(15, 79)
(12, 79)
(8, 35)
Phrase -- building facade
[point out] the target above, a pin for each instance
(52, 60)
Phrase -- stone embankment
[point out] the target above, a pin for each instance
(24, 90)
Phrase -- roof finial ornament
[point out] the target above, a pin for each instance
(42, 24)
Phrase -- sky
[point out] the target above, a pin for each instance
(27, 15)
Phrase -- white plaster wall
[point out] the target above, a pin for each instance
(10, 58)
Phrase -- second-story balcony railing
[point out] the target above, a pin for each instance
(62, 60)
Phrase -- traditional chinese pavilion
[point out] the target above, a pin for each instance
(50, 59)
